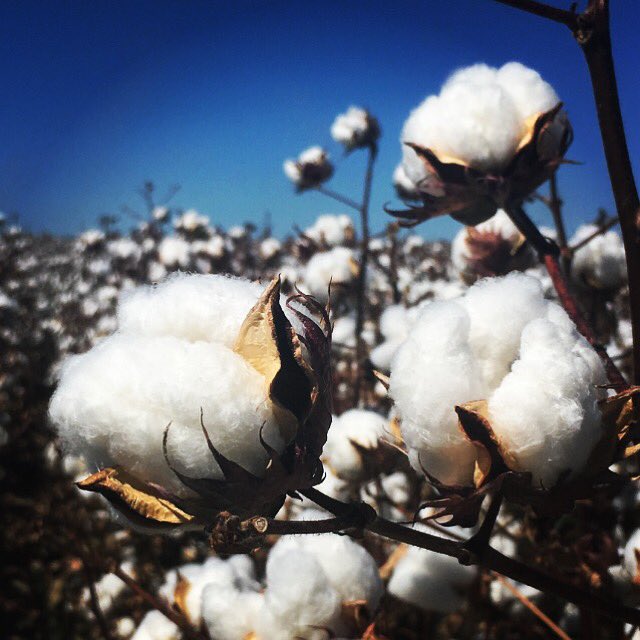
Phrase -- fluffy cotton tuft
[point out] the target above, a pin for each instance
(156, 626)
(630, 560)
(170, 357)
(174, 252)
(601, 263)
(337, 266)
(310, 170)
(505, 343)
(355, 129)
(479, 118)
(191, 221)
(430, 581)
(404, 186)
(354, 427)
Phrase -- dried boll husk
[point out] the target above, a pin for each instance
(297, 374)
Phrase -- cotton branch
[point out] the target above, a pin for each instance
(488, 558)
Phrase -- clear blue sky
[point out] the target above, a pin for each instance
(98, 96)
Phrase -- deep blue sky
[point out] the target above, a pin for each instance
(98, 96)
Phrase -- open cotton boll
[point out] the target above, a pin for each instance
(479, 118)
(356, 128)
(395, 322)
(108, 588)
(331, 229)
(269, 247)
(337, 266)
(171, 358)
(310, 170)
(299, 599)
(343, 333)
(191, 221)
(430, 581)
(354, 428)
(156, 626)
(174, 252)
(601, 263)
(505, 343)
(124, 249)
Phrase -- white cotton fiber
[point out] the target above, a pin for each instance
(430, 581)
(174, 252)
(359, 426)
(505, 343)
(479, 118)
(601, 263)
(315, 158)
(395, 323)
(170, 358)
(229, 614)
(298, 599)
(355, 128)
(337, 266)
(156, 626)
(404, 186)
(630, 561)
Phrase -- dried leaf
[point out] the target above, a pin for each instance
(137, 500)
(618, 411)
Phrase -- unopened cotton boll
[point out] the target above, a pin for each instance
(170, 358)
(505, 343)
(310, 170)
(356, 128)
(332, 230)
(493, 247)
(353, 431)
(174, 252)
(430, 581)
(601, 263)
(337, 267)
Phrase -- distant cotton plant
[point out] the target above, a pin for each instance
(490, 137)
(336, 267)
(191, 222)
(206, 355)
(601, 262)
(310, 170)
(492, 248)
(355, 129)
(505, 344)
(174, 252)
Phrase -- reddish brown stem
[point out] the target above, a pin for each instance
(568, 18)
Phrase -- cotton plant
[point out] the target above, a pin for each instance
(173, 451)
(310, 170)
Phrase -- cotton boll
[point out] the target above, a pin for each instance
(191, 221)
(479, 118)
(269, 247)
(344, 331)
(158, 380)
(194, 307)
(124, 249)
(433, 371)
(160, 213)
(174, 252)
(337, 266)
(601, 263)
(108, 588)
(430, 581)
(298, 598)
(332, 230)
(355, 129)
(310, 170)
(354, 427)
(155, 626)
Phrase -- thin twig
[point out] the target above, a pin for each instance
(612, 222)
(568, 18)
(339, 197)
(93, 598)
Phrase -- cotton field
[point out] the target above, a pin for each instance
(213, 432)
